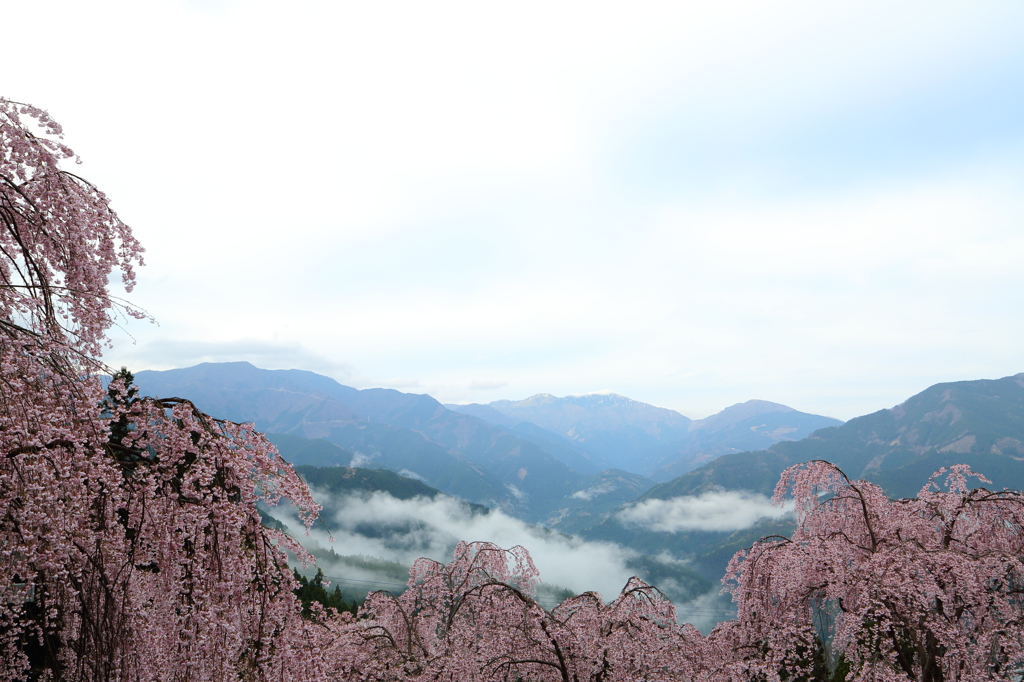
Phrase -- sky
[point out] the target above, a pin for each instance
(692, 204)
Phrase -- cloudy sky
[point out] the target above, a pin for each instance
(692, 204)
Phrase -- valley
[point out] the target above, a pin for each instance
(596, 481)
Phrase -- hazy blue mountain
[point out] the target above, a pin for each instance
(615, 431)
(561, 447)
(753, 425)
(457, 453)
(486, 413)
(525, 457)
(305, 404)
(536, 478)
(413, 454)
(734, 414)
(628, 434)
(980, 423)
(276, 400)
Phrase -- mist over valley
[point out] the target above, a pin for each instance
(584, 482)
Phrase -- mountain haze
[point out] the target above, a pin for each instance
(535, 458)
(626, 433)
(561, 447)
(980, 423)
(611, 430)
(527, 471)
(545, 460)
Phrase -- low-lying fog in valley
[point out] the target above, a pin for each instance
(721, 510)
(367, 541)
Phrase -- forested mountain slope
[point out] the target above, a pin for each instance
(980, 423)
(753, 425)
(512, 469)
(482, 453)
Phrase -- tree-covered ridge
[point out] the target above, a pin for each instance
(456, 453)
(977, 421)
(312, 452)
(477, 452)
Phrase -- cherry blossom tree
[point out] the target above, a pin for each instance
(867, 588)
(477, 618)
(130, 542)
(928, 588)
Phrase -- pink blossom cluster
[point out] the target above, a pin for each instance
(476, 618)
(868, 588)
(60, 240)
(130, 542)
(927, 588)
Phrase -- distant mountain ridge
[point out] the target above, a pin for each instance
(547, 470)
(752, 425)
(405, 432)
(621, 431)
(616, 431)
(497, 455)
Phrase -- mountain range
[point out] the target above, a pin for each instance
(979, 423)
(561, 461)
(610, 430)
(586, 464)
(537, 458)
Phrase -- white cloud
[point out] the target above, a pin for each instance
(419, 527)
(361, 460)
(715, 511)
(707, 610)
(519, 494)
(591, 492)
(408, 473)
